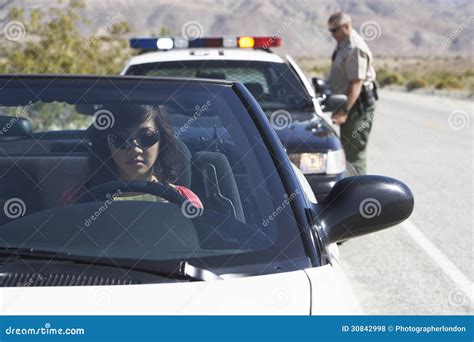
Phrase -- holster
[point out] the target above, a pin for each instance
(368, 94)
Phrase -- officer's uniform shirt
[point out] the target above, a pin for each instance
(352, 60)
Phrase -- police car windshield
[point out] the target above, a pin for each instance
(274, 85)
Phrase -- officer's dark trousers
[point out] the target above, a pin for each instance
(355, 136)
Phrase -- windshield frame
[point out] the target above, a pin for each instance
(301, 206)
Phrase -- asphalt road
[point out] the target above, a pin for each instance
(424, 266)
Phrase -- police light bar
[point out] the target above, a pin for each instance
(168, 43)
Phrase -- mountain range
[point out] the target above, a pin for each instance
(391, 27)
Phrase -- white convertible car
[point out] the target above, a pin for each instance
(142, 195)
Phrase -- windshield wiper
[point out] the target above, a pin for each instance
(181, 270)
(196, 273)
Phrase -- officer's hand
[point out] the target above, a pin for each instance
(339, 117)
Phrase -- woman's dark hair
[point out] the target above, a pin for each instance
(101, 166)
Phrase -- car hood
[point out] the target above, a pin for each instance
(313, 135)
(286, 293)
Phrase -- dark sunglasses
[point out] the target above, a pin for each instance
(335, 29)
(143, 141)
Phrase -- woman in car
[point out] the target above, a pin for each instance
(138, 145)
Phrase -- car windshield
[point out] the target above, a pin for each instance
(63, 138)
(274, 85)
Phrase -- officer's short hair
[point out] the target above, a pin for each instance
(339, 18)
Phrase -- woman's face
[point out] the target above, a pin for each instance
(135, 162)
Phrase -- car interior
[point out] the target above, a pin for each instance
(39, 167)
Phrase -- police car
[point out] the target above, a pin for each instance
(279, 85)
(256, 244)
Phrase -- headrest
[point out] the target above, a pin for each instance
(184, 170)
(13, 126)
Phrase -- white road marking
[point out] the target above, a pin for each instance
(446, 265)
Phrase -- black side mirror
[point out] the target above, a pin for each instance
(362, 205)
(335, 103)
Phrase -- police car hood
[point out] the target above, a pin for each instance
(313, 135)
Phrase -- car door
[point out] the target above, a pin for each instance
(331, 292)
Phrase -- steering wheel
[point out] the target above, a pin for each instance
(104, 191)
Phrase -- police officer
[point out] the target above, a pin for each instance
(352, 73)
